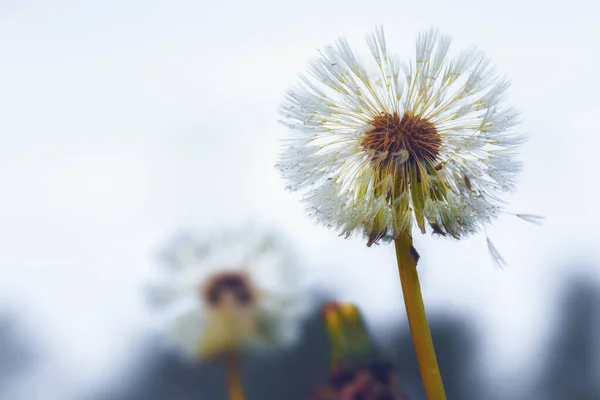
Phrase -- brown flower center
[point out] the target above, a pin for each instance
(234, 284)
(407, 139)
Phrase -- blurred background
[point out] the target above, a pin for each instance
(125, 121)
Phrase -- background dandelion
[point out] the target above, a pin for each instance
(238, 290)
(243, 294)
(124, 121)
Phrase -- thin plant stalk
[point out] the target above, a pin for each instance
(235, 386)
(407, 258)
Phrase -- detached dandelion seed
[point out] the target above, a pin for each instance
(533, 218)
(381, 146)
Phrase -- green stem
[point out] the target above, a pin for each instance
(234, 377)
(407, 258)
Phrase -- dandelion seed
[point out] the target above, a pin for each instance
(496, 256)
(533, 218)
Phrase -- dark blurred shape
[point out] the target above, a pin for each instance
(286, 375)
(571, 368)
(291, 374)
(165, 375)
(17, 356)
(377, 381)
(303, 370)
(358, 369)
(571, 365)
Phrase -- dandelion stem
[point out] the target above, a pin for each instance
(407, 258)
(234, 377)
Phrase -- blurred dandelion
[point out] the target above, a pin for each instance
(358, 370)
(232, 292)
(379, 150)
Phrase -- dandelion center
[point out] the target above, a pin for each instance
(234, 284)
(407, 139)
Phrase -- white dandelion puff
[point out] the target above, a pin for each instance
(231, 291)
(377, 147)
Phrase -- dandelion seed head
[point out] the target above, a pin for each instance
(381, 145)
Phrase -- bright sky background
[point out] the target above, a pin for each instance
(122, 121)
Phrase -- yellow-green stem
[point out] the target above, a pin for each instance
(234, 377)
(407, 258)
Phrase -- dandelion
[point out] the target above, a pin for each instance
(232, 292)
(381, 146)
(424, 143)
(358, 370)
